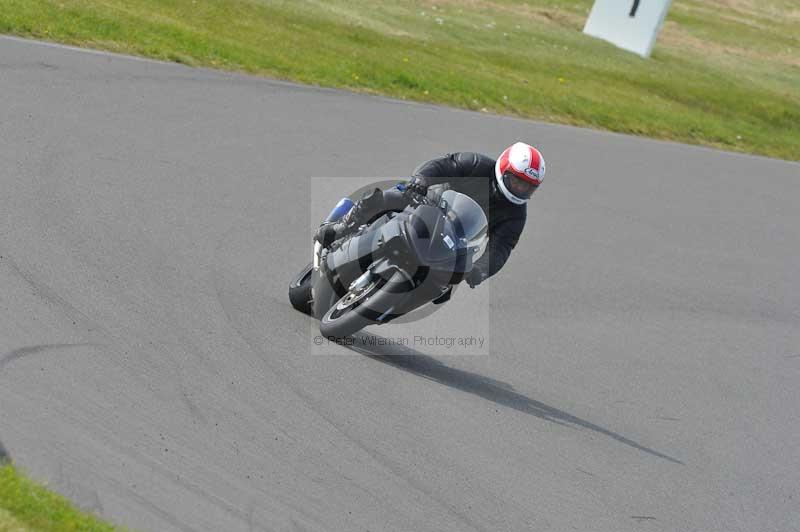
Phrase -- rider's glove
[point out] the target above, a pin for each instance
(475, 277)
(417, 185)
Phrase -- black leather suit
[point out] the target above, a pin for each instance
(471, 174)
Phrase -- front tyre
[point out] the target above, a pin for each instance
(345, 317)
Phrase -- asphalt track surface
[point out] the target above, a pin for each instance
(645, 351)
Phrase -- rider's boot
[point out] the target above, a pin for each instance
(360, 214)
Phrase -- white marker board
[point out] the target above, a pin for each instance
(630, 24)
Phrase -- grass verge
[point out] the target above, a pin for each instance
(28, 506)
(725, 73)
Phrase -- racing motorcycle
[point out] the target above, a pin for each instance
(397, 263)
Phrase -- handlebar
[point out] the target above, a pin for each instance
(418, 199)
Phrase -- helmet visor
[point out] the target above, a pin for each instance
(521, 188)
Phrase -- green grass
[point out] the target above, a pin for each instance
(725, 73)
(27, 506)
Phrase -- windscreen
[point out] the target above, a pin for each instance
(468, 221)
(451, 236)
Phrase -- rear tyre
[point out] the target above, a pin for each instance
(300, 290)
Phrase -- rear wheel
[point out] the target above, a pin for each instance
(300, 290)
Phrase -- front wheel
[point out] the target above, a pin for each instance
(346, 316)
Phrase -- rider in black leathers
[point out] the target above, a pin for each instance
(501, 187)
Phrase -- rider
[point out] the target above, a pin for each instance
(501, 187)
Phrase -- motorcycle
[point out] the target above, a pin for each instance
(397, 263)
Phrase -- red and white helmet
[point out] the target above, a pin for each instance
(519, 172)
